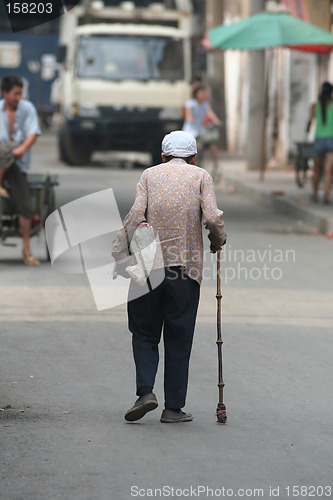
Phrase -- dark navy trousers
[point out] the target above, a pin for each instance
(172, 307)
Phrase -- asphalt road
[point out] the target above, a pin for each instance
(67, 376)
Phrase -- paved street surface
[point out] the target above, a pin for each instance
(67, 376)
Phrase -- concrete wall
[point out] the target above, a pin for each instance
(294, 80)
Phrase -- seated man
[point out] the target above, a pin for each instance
(19, 123)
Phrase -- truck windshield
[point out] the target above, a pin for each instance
(120, 57)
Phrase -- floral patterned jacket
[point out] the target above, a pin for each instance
(175, 198)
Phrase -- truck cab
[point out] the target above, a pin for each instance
(124, 82)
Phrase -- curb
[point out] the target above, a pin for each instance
(323, 222)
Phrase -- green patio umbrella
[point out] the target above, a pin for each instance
(267, 29)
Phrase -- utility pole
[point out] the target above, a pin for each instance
(257, 97)
(215, 66)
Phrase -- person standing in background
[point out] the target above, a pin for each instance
(198, 111)
(202, 122)
(322, 111)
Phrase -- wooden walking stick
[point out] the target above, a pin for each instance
(221, 412)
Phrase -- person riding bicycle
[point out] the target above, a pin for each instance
(197, 111)
(201, 122)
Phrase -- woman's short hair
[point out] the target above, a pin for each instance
(187, 158)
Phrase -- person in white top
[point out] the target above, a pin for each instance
(202, 122)
(198, 113)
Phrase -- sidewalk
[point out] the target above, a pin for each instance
(278, 190)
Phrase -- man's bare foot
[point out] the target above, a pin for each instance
(3, 192)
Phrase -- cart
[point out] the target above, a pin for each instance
(303, 155)
(42, 199)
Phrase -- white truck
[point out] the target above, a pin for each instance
(124, 78)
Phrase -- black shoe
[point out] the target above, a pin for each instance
(169, 417)
(142, 406)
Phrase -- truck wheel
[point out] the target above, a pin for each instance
(72, 150)
(156, 157)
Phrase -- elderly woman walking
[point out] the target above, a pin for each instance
(175, 198)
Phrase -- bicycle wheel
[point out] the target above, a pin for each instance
(210, 162)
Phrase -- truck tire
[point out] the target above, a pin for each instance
(156, 156)
(72, 150)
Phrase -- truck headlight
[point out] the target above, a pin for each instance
(72, 110)
(87, 124)
(89, 110)
(170, 113)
